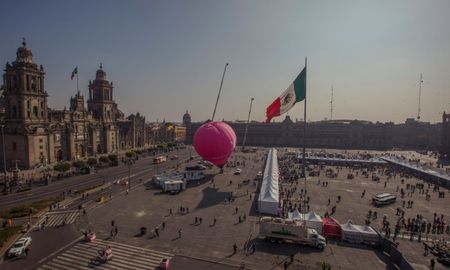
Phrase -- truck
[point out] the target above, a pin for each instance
(190, 175)
(173, 186)
(278, 230)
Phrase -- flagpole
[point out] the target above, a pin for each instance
(248, 122)
(304, 139)
(220, 89)
(78, 89)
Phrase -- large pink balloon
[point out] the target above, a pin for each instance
(215, 142)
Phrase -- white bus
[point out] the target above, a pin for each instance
(384, 198)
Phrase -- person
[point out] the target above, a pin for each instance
(432, 263)
(156, 232)
(234, 248)
(116, 230)
(179, 233)
(163, 225)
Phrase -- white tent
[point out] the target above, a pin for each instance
(351, 233)
(296, 215)
(314, 221)
(368, 234)
(269, 200)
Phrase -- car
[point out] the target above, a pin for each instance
(237, 171)
(164, 264)
(20, 247)
(174, 157)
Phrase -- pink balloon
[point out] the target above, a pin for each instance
(215, 142)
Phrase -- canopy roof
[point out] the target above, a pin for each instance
(269, 187)
(294, 215)
(313, 216)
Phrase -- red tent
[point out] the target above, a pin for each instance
(331, 227)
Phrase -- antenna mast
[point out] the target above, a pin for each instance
(331, 104)
(420, 94)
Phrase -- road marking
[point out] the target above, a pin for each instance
(83, 255)
(57, 218)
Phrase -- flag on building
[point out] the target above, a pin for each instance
(296, 92)
(75, 71)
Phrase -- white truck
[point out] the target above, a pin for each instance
(189, 175)
(173, 186)
(284, 230)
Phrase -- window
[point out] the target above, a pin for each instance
(35, 111)
(40, 140)
(14, 112)
(41, 147)
(14, 146)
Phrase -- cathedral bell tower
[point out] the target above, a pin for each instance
(101, 102)
(104, 110)
(26, 111)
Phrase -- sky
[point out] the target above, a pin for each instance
(166, 57)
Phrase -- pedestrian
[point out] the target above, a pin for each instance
(196, 220)
(163, 225)
(170, 211)
(234, 248)
(156, 232)
(432, 263)
(116, 230)
(112, 223)
(236, 210)
(200, 220)
(179, 233)
(214, 222)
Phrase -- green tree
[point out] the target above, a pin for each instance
(130, 154)
(79, 164)
(92, 161)
(104, 159)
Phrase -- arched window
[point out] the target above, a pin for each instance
(35, 111)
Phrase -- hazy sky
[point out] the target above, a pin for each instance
(166, 57)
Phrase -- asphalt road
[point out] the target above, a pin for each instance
(142, 167)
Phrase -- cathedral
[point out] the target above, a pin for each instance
(33, 134)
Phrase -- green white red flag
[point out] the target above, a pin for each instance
(296, 92)
(75, 71)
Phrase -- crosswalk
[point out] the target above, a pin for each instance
(83, 256)
(53, 219)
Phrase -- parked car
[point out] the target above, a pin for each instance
(20, 248)
(237, 171)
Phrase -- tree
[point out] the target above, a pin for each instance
(112, 157)
(62, 167)
(130, 154)
(104, 159)
(79, 164)
(92, 161)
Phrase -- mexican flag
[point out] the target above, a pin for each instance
(296, 92)
(75, 71)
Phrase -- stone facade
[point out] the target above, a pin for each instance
(35, 134)
(339, 134)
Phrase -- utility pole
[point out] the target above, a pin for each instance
(248, 122)
(420, 94)
(331, 104)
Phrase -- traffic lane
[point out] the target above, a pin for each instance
(80, 182)
(115, 189)
(187, 263)
(44, 243)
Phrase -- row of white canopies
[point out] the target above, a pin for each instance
(348, 232)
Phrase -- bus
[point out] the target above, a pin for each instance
(159, 159)
(384, 198)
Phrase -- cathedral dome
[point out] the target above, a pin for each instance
(24, 54)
